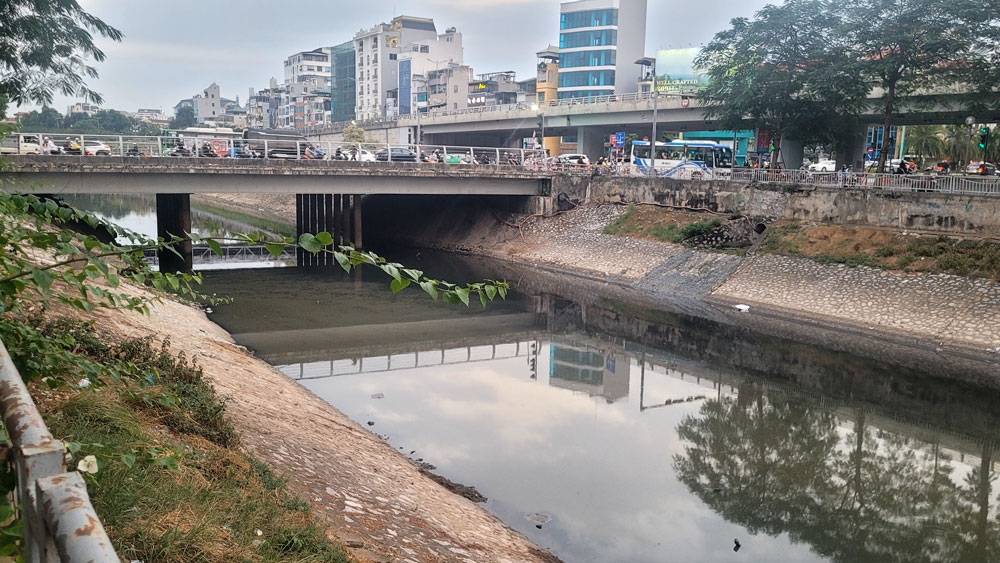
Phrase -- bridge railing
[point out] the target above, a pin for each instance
(214, 147)
(60, 523)
(950, 183)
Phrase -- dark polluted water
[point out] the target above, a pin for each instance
(609, 431)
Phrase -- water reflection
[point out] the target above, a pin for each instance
(647, 435)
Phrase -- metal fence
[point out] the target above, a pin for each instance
(949, 183)
(60, 523)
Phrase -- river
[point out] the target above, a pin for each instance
(606, 430)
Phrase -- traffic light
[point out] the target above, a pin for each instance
(984, 137)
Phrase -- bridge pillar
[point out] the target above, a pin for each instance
(590, 142)
(791, 154)
(173, 217)
(851, 148)
(314, 213)
(356, 200)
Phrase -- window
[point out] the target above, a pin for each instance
(549, 76)
(392, 56)
(589, 18)
(541, 96)
(588, 38)
(587, 78)
(587, 58)
(456, 89)
(454, 105)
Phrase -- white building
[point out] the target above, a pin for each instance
(150, 115)
(416, 60)
(599, 43)
(448, 88)
(308, 66)
(377, 69)
(84, 108)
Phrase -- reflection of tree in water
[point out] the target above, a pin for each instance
(114, 206)
(778, 466)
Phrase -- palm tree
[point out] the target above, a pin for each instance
(959, 144)
(925, 141)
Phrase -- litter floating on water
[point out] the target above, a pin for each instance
(538, 517)
(742, 308)
(377, 396)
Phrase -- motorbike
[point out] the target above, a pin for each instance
(180, 150)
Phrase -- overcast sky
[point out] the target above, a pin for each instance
(173, 49)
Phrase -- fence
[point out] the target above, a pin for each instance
(950, 183)
(59, 521)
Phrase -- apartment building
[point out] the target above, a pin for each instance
(377, 67)
(416, 60)
(599, 42)
(448, 88)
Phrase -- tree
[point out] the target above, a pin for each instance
(925, 141)
(183, 118)
(959, 145)
(901, 47)
(779, 71)
(46, 120)
(353, 134)
(45, 48)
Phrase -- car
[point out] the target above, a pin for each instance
(573, 158)
(20, 144)
(981, 169)
(823, 166)
(398, 154)
(96, 148)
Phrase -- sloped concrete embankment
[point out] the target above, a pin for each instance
(931, 308)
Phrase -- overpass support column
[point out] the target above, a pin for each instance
(791, 154)
(173, 218)
(851, 148)
(590, 142)
(314, 213)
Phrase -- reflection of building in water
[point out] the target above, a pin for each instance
(589, 370)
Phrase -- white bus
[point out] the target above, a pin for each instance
(683, 160)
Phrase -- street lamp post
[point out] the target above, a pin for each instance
(652, 140)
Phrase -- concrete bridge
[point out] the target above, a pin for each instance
(328, 192)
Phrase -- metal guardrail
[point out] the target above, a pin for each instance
(60, 523)
(950, 183)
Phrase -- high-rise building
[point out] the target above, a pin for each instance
(599, 42)
(343, 84)
(377, 68)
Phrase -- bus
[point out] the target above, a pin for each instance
(683, 160)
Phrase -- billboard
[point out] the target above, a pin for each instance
(675, 71)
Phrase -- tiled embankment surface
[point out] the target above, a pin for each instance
(372, 494)
(940, 307)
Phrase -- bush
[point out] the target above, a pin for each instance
(885, 251)
(699, 228)
(927, 247)
(956, 263)
(667, 233)
(905, 260)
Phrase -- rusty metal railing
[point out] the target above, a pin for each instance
(60, 523)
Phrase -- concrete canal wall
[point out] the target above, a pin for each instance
(923, 211)
(932, 308)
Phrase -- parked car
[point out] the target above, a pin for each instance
(399, 154)
(824, 166)
(96, 148)
(573, 158)
(981, 169)
(20, 144)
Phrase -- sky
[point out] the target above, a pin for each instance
(173, 50)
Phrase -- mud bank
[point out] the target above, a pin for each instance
(933, 309)
(378, 502)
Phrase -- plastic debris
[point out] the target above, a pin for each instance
(742, 308)
(378, 396)
(84, 383)
(538, 517)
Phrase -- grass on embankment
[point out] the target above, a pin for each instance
(660, 224)
(828, 244)
(885, 249)
(171, 485)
